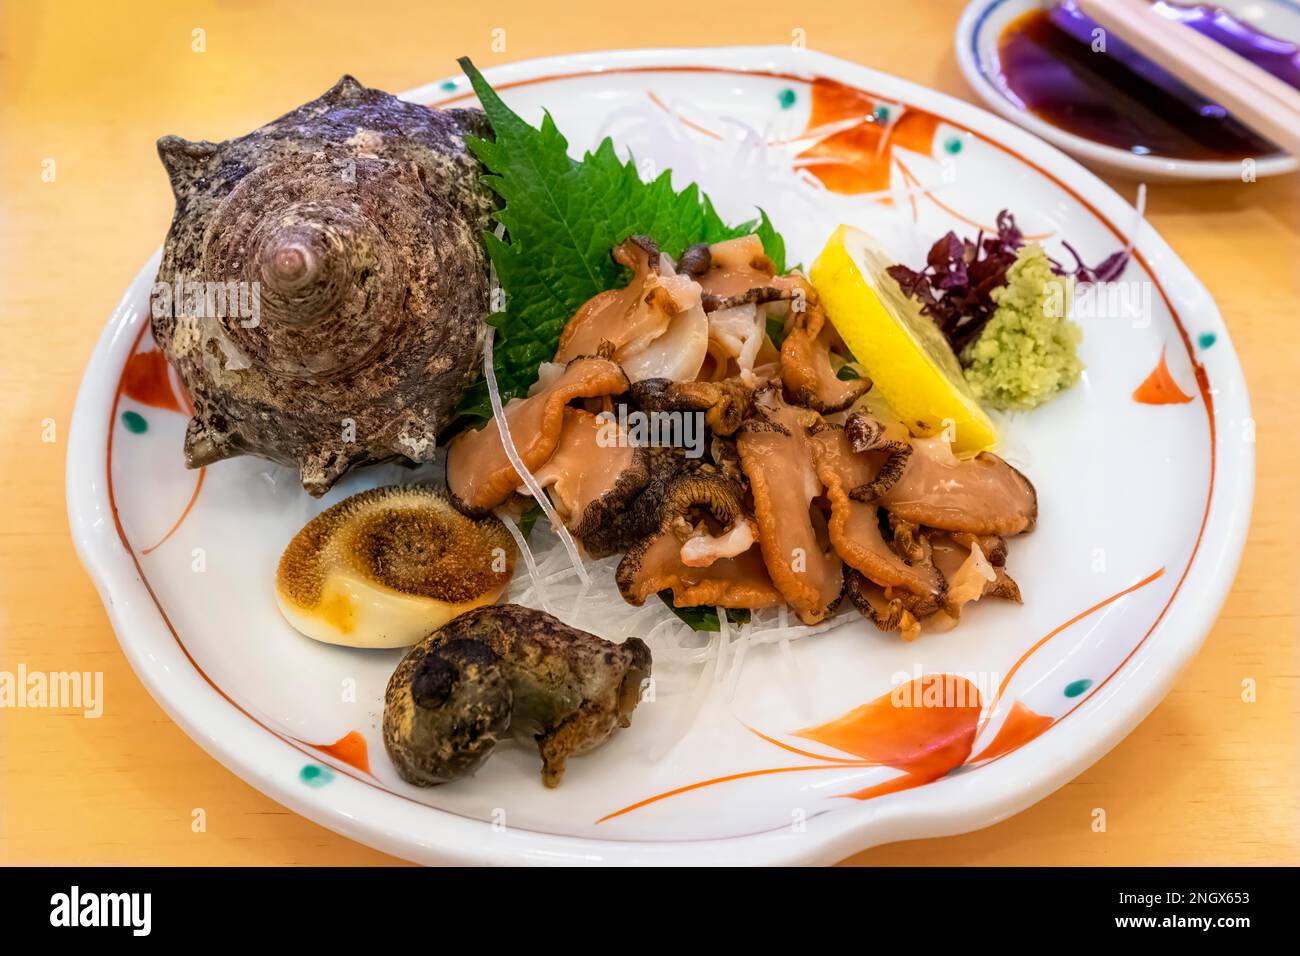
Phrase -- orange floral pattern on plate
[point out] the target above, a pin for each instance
(1021, 726)
(147, 379)
(1159, 388)
(350, 748)
(858, 159)
(925, 728)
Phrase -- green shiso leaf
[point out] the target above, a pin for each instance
(528, 519)
(703, 618)
(773, 242)
(776, 331)
(562, 217)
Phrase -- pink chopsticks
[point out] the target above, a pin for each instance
(1252, 95)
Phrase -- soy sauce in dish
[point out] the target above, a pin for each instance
(1115, 96)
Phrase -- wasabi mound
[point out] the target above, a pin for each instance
(1028, 351)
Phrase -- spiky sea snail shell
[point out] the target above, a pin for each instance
(508, 670)
(347, 232)
(387, 566)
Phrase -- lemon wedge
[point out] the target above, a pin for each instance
(904, 354)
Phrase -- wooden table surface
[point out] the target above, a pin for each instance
(1207, 778)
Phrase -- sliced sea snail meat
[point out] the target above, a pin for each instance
(946, 521)
(966, 573)
(993, 546)
(910, 543)
(982, 495)
(655, 325)
(882, 608)
(742, 294)
(380, 569)
(854, 526)
(806, 369)
(970, 572)
(629, 520)
(592, 476)
(703, 549)
(735, 268)
(479, 473)
(725, 403)
(777, 459)
(621, 317)
(871, 439)
(507, 670)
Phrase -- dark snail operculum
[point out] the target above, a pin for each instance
(566, 689)
(342, 243)
(448, 713)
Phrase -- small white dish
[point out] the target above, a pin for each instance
(983, 22)
(1144, 510)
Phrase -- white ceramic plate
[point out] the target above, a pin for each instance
(982, 24)
(1144, 510)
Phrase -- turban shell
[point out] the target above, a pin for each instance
(323, 283)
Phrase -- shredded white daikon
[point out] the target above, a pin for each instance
(742, 646)
(686, 716)
(512, 453)
(724, 639)
(527, 553)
